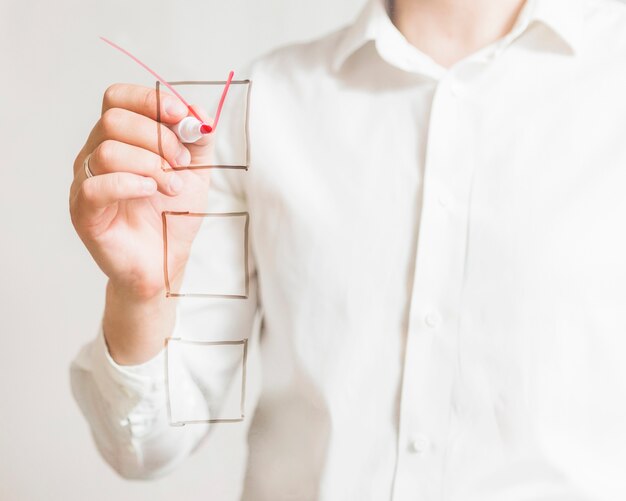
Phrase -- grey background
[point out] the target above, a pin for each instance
(55, 70)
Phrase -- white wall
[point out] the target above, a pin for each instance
(54, 70)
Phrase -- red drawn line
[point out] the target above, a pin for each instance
(222, 99)
(156, 75)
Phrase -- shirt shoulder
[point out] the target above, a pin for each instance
(298, 60)
(604, 23)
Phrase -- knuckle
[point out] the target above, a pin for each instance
(111, 120)
(105, 154)
(110, 95)
(87, 190)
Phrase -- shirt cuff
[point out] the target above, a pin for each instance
(135, 395)
(140, 378)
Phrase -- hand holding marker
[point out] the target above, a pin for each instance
(122, 185)
(189, 129)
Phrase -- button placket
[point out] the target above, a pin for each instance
(430, 351)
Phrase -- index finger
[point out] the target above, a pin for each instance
(145, 101)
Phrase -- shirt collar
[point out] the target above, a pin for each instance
(360, 32)
(563, 17)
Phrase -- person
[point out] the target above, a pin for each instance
(437, 248)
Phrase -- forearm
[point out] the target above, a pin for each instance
(135, 329)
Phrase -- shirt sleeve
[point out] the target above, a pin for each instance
(126, 409)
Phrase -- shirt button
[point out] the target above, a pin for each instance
(433, 319)
(419, 444)
(443, 201)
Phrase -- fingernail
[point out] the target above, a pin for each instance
(176, 183)
(184, 157)
(148, 185)
(175, 108)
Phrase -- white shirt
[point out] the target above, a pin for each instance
(440, 256)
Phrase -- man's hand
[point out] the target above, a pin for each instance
(117, 212)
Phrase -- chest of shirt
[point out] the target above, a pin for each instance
(533, 166)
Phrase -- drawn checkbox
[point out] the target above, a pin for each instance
(217, 246)
(230, 139)
(205, 381)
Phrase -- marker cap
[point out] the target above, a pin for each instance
(189, 129)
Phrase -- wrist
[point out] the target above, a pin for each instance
(135, 327)
(136, 291)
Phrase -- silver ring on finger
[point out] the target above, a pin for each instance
(86, 168)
